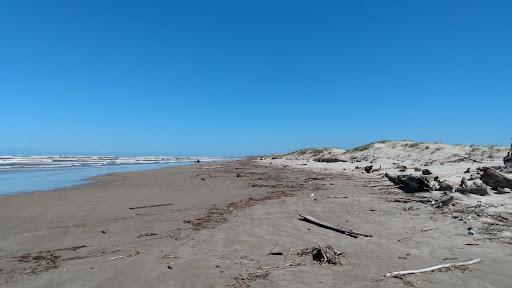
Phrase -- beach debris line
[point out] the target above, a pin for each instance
(215, 215)
(150, 206)
(243, 281)
(45, 260)
(328, 226)
(430, 269)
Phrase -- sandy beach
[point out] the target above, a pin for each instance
(236, 224)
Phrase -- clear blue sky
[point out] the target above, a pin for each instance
(251, 77)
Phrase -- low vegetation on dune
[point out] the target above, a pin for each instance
(396, 150)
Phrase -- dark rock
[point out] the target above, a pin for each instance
(403, 168)
(467, 170)
(426, 172)
(368, 168)
(495, 179)
(417, 169)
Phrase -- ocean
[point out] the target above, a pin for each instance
(42, 173)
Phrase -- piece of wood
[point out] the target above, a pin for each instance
(150, 206)
(430, 269)
(322, 251)
(495, 178)
(325, 225)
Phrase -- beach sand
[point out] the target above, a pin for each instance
(224, 221)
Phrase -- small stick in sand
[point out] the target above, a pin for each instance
(150, 206)
(328, 226)
(428, 228)
(429, 269)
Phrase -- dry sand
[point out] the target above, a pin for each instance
(223, 222)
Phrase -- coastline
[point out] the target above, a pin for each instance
(217, 224)
(81, 181)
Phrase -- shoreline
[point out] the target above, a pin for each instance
(213, 225)
(89, 180)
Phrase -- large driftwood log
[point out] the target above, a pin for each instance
(495, 179)
(410, 183)
(433, 268)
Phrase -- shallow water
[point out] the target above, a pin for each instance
(32, 180)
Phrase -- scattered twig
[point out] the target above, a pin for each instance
(412, 234)
(428, 228)
(430, 269)
(325, 225)
(135, 253)
(150, 206)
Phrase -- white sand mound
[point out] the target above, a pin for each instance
(422, 154)
(425, 153)
(450, 162)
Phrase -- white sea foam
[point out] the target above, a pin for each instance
(52, 162)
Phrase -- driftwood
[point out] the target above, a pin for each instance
(430, 269)
(410, 183)
(150, 206)
(328, 226)
(495, 179)
(476, 190)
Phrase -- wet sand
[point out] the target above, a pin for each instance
(216, 224)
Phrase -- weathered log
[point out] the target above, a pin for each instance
(495, 179)
(476, 190)
(410, 183)
(430, 269)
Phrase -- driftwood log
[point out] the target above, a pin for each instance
(495, 179)
(410, 183)
(476, 190)
(430, 269)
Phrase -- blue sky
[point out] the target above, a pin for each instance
(251, 77)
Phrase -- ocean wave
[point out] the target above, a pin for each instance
(53, 162)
